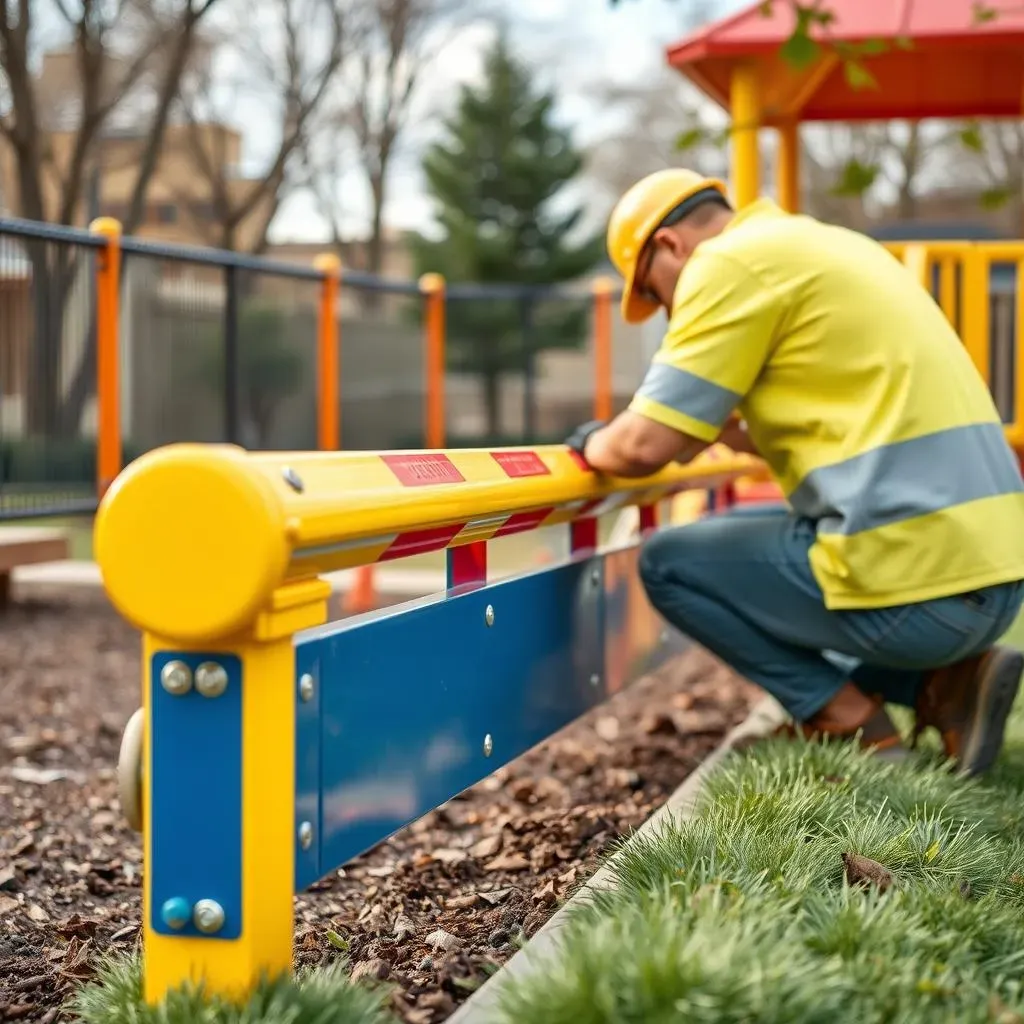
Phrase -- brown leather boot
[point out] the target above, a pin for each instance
(850, 715)
(969, 703)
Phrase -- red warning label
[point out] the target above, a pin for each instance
(518, 464)
(422, 470)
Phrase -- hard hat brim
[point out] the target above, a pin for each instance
(635, 308)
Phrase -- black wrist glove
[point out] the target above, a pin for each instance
(577, 440)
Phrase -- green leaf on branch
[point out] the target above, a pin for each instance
(982, 13)
(970, 138)
(871, 47)
(858, 76)
(855, 179)
(995, 198)
(690, 137)
(766, 9)
(800, 50)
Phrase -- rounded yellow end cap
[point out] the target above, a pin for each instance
(190, 543)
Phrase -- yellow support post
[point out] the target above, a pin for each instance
(787, 169)
(947, 287)
(976, 330)
(219, 699)
(745, 106)
(1017, 430)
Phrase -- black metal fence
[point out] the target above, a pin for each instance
(223, 347)
(47, 369)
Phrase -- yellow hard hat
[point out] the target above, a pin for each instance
(637, 216)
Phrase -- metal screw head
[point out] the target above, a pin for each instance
(176, 678)
(208, 916)
(595, 576)
(595, 680)
(293, 480)
(489, 615)
(306, 687)
(306, 835)
(211, 679)
(176, 912)
(488, 745)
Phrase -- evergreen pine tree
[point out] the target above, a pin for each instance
(497, 176)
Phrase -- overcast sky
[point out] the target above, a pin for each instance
(568, 42)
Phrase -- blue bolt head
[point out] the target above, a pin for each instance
(176, 913)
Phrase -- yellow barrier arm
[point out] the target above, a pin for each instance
(215, 554)
(195, 541)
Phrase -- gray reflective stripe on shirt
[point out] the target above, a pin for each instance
(688, 394)
(910, 478)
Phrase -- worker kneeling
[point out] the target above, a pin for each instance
(902, 545)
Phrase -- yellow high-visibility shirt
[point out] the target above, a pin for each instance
(860, 397)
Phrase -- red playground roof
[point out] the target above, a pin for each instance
(941, 58)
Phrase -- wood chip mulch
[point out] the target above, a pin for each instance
(432, 911)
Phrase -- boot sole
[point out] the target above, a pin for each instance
(997, 691)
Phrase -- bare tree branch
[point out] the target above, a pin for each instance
(397, 42)
(296, 64)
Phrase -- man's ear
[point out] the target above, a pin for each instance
(674, 241)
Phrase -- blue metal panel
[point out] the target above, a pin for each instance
(408, 696)
(307, 763)
(196, 796)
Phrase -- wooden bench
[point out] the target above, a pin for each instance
(21, 545)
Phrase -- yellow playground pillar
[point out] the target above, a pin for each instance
(745, 106)
(787, 166)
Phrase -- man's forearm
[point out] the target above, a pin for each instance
(625, 448)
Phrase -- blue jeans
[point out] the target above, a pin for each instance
(741, 585)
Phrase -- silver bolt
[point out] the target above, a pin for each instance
(306, 835)
(306, 687)
(292, 479)
(595, 680)
(664, 636)
(211, 679)
(595, 577)
(488, 745)
(176, 678)
(489, 615)
(208, 916)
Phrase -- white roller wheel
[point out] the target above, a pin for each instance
(129, 770)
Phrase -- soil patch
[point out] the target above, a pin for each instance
(433, 910)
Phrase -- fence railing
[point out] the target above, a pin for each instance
(979, 288)
(111, 346)
(292, 768)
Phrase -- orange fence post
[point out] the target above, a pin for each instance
(433, 288)
(108, 353)
(328, 345)
(603, 288)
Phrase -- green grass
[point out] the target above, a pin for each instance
(325, 996)
(743, 914)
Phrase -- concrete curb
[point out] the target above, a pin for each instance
(481, 1007)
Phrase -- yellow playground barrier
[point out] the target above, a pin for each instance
(271, 748)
